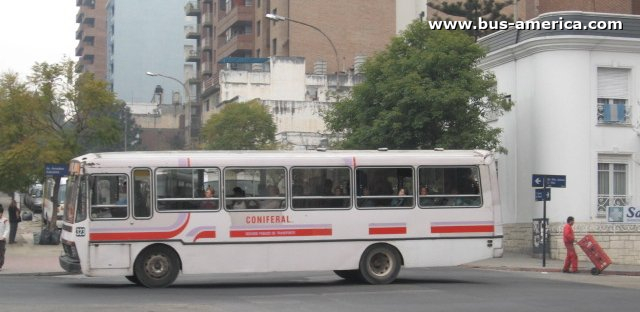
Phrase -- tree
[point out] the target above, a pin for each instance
(240, 126)
(472, 10)
(424, 91)
(53, 117)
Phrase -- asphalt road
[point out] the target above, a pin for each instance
(448, 289)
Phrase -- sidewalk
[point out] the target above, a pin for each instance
(525, 262)
(27, 258)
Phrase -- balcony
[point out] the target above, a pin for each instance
(192, 56)
(237, 14)
(79, 17)
(614, 112)
(207, 21)
(192, 33)
(206, 44)
(80, 49)
(210, 85)
(79, 33)
(192, 9)
(206, 68)
(237, 43)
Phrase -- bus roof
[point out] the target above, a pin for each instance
(280, 158)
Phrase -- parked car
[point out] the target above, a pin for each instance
(33, 198)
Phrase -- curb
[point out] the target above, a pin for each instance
(551, 270)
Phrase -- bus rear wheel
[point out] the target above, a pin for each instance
(349, 275)
(133, 279)
(380, 264)
(157, 267)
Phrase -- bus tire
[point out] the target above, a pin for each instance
(133, 279)
(156, 266)
(349, 275)
(380, 264)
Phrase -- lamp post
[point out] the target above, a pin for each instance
(280, 18)
(187, 110)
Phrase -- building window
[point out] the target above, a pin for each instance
(257, 52)
(612, 184)
(274, 47)
(613, 96)
(258, 30)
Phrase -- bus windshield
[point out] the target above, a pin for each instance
(74, 209)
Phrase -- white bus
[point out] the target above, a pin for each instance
(362, 214)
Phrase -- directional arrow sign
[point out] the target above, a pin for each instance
(538, 180)
(541, 195)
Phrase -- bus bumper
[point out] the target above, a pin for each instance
(69, 264)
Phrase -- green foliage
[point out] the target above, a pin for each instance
(54, 116)
(424, 91)
(471, 10)
(240, 126)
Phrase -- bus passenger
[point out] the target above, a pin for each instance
(400, 200)
(237, 204)
(272, 203)
(210, 203)
(366, 202)
(424, 200)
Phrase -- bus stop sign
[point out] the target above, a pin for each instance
(52, 170)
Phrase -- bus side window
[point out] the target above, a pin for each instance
(449, 187)
(321, 188)
(141, 194)
(385, 187)
(108, 197)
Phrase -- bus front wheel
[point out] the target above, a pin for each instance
(157, 267)
(380, 264)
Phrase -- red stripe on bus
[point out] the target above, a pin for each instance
(281, 232)
(131, 236)
(205, 234)
(387, 230)
(462, 228)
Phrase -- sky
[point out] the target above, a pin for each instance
(36, 31)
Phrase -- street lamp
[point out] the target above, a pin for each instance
(187, 110)
(280, 18)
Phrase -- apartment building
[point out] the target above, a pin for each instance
(332, 36)
(91, 35)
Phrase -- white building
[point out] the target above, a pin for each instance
(576, 113)
(295, 99)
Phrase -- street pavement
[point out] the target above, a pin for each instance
(27, 258)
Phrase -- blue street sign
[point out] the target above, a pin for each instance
(541, 195)
(538, 180)
(56, 170)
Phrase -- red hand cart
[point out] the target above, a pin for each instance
(595, 253)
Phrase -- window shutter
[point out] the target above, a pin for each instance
(613, 83)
